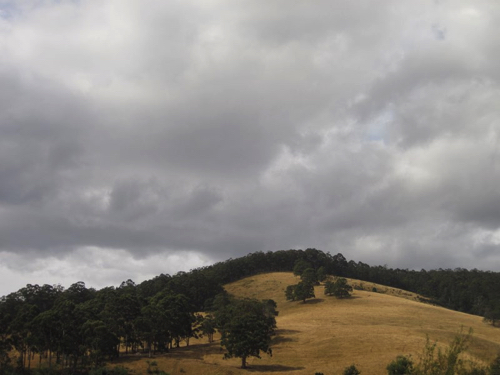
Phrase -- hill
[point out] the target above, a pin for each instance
(326, 334)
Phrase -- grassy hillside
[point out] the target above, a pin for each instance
(326, 334)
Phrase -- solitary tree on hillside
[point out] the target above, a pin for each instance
(247, 328)
(299, 292)
(338, 288)
(303, 291)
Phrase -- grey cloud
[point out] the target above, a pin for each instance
(439, 32)
(230, 127)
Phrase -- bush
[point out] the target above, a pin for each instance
(434, 361)
(351, 370)
(400, 366)
(495, 366)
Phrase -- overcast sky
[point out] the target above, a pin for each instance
(139, 138)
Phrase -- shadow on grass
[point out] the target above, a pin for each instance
(314, 301)
(280, 332)
(196, 351)
(281, 336)
(347, 298)
(272, 368)
(280, 340)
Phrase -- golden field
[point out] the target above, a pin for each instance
(326, 334)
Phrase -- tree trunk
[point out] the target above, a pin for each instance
(244, 362)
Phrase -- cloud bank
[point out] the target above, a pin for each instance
(138, 139)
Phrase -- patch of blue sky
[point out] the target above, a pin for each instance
(13, 8)
(377, 129)
(8, 9)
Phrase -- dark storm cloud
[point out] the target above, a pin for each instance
(196, 132)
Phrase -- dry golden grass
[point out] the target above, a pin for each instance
(326, 334)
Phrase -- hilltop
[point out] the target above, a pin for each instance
(326, 334)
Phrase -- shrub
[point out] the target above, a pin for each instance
(351, 370)
(153, 368)
(435, 361)
(400, 366)
(495, 366)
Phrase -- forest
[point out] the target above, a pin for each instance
(80, 328)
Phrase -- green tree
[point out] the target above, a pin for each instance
(165, 318)
(321, 274)
(309, 276)
(300, 266)
(247, 329)
(338, 288)
(290, 293)
(208, 327)
(99, 341)
(299, 292)
(492, 315)
(304, 291)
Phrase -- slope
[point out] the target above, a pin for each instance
(370, 329)
(326, 334)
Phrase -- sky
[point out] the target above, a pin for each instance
(140, 138)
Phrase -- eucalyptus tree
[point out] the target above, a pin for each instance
(246, 328)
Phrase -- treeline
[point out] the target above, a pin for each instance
(82, 327)
(471, 291)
